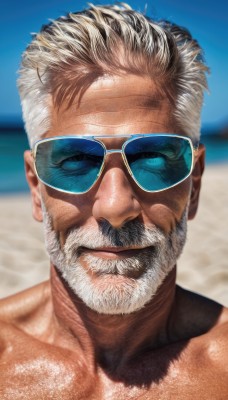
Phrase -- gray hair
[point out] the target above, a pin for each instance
(70, 53)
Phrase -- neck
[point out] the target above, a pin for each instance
(107, 339)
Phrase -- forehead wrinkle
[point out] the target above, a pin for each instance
(94, 112)
(98, 112)
(127, 124)
(115, 121)
(135, 87)
(156, 96)
(116, 92)
(109, 103)
(136, 105)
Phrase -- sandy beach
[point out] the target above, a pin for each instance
(203, 267)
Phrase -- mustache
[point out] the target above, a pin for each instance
(133, 234)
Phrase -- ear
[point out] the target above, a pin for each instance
(196, 181)
(33, 185)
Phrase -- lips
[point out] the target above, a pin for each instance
(112, 252)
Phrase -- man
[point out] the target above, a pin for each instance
(111, 102)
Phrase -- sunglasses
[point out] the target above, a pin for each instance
(73, 164)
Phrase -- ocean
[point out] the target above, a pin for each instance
(13, 143)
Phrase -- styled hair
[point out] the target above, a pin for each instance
(73, 51)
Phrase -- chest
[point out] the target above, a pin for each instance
(31, 370)
(48, 378)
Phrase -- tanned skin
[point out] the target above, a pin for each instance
(52, 345)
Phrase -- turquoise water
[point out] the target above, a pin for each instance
(12, 176)
(14, 143)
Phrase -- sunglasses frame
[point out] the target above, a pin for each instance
(98, 138)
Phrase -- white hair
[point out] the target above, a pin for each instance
(110, 286)
(73, 51)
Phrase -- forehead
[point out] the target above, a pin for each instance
(115, 105)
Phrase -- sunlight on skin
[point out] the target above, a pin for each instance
(160, 348)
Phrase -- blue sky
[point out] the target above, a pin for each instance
(206, 19)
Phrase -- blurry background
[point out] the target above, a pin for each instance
(23, 261)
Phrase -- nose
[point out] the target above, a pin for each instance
(115, 199)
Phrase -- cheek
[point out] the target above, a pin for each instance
(165, 209)
(66, 211)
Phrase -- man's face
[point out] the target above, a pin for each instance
(116, 243)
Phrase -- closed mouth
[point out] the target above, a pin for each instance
(112, 252)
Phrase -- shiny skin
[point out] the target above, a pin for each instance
(52, 345)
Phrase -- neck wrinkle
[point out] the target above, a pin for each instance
(113, 340)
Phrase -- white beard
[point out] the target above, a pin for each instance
(106, 285)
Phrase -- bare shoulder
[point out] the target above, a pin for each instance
(207, 326)
(210, 355)
(30, 365)
(24, 321)
(22, 308)
(218, 340)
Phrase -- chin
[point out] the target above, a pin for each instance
(116, 286)
(114, 293)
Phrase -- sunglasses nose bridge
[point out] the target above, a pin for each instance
(109, 151)
(116, 151)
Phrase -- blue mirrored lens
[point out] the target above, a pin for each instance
(69, 164)
(159, 162)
